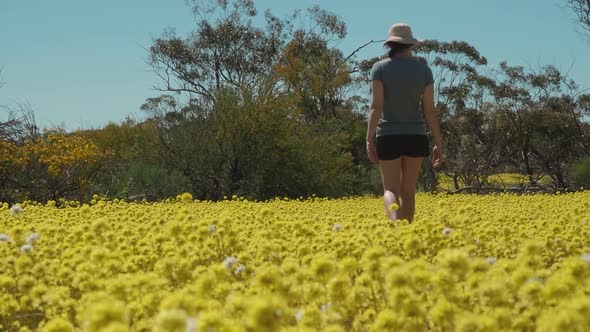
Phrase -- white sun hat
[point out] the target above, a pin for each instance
(401, 33)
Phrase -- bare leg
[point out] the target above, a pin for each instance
(391, 176)
(410, 172)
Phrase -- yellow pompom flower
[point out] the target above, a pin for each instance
(455, 261)
(311, 317)
(268, 277)
(266, 314)
(387, 320)
(186, 197)
(442, 314)
(469, 322)
(213, 321)
(115, 327)
(322, 267)
(85, 210)
(103, 314)
(58, 324)
(174, 320)
(338, 288)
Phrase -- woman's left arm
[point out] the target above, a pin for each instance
(374, 116)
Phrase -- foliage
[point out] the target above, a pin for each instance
(581, 172)
(257, 110)
(581, 8)
(128, 140)
(470, 140)
(148, 181)
(249, 147)
(467, 263)
(542, 113)
(55, 165)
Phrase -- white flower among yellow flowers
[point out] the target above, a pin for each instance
(230, 262)
(299, 315)
(447, 231)
(239, 269)
(16, 209)
(32, 238)
(26, 248)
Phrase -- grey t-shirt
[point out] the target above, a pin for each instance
(404, 80)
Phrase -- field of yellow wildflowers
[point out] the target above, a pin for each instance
(468, 263)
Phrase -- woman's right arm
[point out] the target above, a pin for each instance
(432, 120)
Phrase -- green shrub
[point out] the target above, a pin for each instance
(152, 180)
(580, 172)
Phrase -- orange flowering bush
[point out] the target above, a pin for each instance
(53, 165)
(58, 151)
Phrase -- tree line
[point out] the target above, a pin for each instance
(276, 109)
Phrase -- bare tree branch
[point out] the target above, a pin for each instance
(361, 47)
(582, 10)
(20, 125)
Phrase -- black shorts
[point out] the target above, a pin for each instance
(390, 147)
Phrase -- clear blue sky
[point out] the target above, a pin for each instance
(83, 63)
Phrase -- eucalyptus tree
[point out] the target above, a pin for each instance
(254, 108)
(581, 8)
(544, 114)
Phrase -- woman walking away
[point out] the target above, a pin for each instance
(396, 133)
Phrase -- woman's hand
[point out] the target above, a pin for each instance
(372, 152)
(437, 156)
